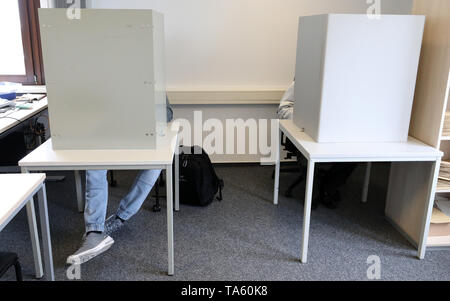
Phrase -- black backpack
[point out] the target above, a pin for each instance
(199, 183)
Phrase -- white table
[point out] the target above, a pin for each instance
(410, 195)
(10, 120)
(32, 89)
(17, 191)
(44, 158)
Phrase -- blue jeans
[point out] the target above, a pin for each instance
(97, 197)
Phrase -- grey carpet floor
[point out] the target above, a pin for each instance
(244, 237)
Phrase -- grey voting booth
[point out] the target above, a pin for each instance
(105, 78)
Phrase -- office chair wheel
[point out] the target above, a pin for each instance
(156, 208)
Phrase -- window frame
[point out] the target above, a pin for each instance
(31, 42)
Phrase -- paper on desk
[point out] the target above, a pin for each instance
(30, 97)
(444, 206)
(9, 87)
(439, 230)
(439, 218)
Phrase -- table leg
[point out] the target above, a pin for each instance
(32, 225)
(276, 188)
(31, 214)
(366, 182)
(45, 228)
(177, 183)
(307, 209)
(169, 198)
(427, 220)
(79, 190)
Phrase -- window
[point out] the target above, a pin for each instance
(20, 50)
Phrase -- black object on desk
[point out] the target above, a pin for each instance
(18, 141)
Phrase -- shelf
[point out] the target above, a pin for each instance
(439, 234)
(443, 186)
(438, 241)
(444, 177)
(446, 129)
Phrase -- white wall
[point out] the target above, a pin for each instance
(224, 112)
(46, 3)
(230, 53)
(248, 44)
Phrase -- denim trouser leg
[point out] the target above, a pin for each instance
(96, 200)
(142, 186)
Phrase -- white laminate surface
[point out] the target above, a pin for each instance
(15, 190)
(32, 89)
(9, 120)
(361, 151)
(45, 156)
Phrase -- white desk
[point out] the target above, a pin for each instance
(18, 190)
(10, 120)
(410, 196)
(32, 89)
(44, 158)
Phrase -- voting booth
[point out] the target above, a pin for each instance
(105, 77)
(356, 76)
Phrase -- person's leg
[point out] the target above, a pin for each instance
(96, 200)
(133, 201)
(95, 241)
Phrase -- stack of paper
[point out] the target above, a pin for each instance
(440, 220)
(446, 130)
(444, 207)
(444, 172)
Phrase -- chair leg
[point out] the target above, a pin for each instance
(162, 183)
(157, 207)
(18, 269)
(112, 181)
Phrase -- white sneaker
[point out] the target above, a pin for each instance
(93, 244)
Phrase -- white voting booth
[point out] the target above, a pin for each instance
(105, 78)
(356, 76)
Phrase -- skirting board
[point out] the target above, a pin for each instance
(225, 97)
(208, 96)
